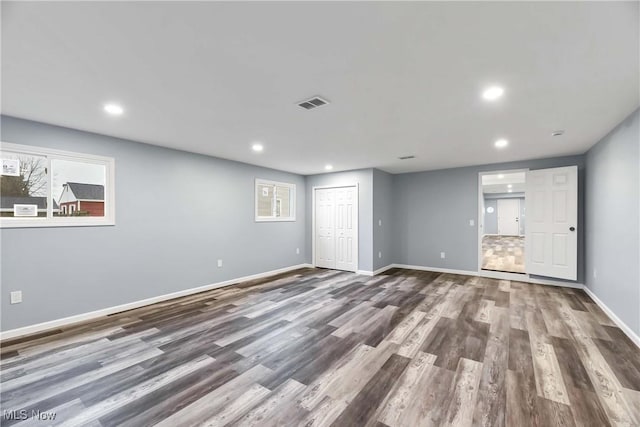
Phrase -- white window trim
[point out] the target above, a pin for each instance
(51, 221)
(292, 207)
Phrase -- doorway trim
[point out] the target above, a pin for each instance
(313, 221)
(503, 275)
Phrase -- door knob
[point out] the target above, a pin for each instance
(572, 229)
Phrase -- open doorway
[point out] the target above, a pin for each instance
(502, 219)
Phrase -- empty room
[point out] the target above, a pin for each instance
(320, 213)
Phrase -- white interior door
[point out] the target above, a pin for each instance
(509, 217)
(551, 237)
(325, 228)
(336, 228)
(345, 232)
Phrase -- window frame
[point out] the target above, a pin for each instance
(292, 201)
(50, 154)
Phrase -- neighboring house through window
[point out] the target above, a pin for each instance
(275, 201)
(7, 204)
(86, 199)
(42, 187)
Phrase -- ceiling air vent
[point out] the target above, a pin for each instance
(407, 157)
(312, 103)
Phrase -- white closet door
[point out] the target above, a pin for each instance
(345, 203)
(325, 228)
(551, 237)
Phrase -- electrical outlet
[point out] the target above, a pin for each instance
(219, 263)
(379, 223)
(298, 251)
(472, 223)
(442, 255)
(379, 254)
(16, 297)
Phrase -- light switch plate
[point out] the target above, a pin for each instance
(472, 222)
(219, 263)
(442, 255)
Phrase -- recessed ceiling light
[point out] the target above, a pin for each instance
(113, 109)
(557, 133)
(510, 191)
(328, 167)
(492, 93)
(509, 186)
(501, 143)
(500, 176)
(257, 147)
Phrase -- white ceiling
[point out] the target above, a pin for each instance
(504, 183)
(402, 78)
(504, 178)
(503, 188)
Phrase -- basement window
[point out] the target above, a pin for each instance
(42, 187)
(275, 201)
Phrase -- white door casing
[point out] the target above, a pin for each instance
(335, 235)
(508, 217)
(551, 236)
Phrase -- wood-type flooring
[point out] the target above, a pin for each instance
(319, 347)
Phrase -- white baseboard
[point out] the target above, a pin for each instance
(625, 328)
(365, 272)
(493, 275)
(435, 269)
(52, 324)
(40, 327)
(376, 272)
(383, 269)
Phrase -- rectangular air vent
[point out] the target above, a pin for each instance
(407, 157)
(312, 103)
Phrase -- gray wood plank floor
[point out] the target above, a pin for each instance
(319, 347)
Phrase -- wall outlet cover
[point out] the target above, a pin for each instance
(16, 297)
(442, 255)
(219, 263)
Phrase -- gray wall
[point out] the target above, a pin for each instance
(432, 212)
(364, 178)
(491, 219)
(382, 219)
(613, 221)
(160, 243)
